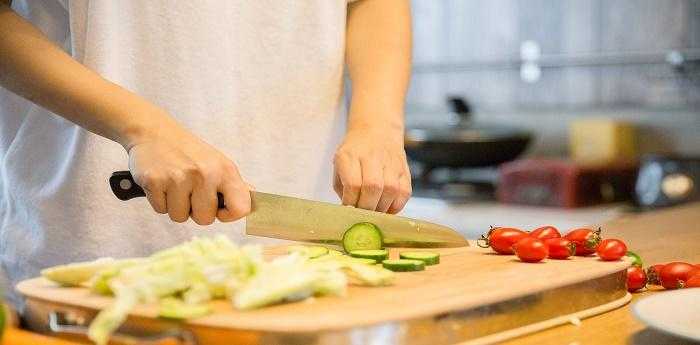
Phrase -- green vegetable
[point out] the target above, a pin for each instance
(636, 259)
(76, 273)
(183, 279)
(333, 252)
(403, 265)
(365, 261)
(289, 278)
(173, 308)
(429, 258)
(375, 254)
(310, 251)
(362, 236)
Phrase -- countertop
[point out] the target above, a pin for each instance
(472, 219)
(661, 236)
(658, 237)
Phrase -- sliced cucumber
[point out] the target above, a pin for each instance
(403, 265)
(362, 236)
(365, 261)
(310, 251)
(430, 258)
(375, 254)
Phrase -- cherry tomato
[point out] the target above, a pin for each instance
(560, 248)
(636, 278)
(530, 249)
(693, 282)
(654, 274)
(675, 274)
(545, 232)
(611, 249)
(501, 239)
(586, 240)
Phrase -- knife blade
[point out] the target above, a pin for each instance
(296, 219)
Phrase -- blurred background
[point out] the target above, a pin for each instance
(577, 104)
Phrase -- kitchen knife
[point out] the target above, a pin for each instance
(297, 219)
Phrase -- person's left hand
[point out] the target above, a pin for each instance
(371, 171)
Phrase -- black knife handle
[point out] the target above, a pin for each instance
(124, 187)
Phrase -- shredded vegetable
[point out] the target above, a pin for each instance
(183, 279)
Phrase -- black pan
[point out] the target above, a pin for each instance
(465, 145)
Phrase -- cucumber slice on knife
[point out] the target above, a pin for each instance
(403, 265)
(375, 254)
(310, 251)
(362, 236)
(429, 258)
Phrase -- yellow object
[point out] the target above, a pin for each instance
(602, 141)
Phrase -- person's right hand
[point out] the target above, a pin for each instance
(181, 175)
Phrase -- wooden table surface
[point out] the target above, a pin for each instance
(658, 237)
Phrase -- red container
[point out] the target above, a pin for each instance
(563, 183)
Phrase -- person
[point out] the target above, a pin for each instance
(197, 97)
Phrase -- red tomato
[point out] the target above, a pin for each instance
(560, 248)
(586, 240)
(530, 249)
(693, 282)
(545, 232)
(501, 239)
(675, 274)
(636, 278)
(611, 249)
(654, 274)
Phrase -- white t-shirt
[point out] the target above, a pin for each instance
(260, 80)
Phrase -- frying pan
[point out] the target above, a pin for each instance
(464, 144)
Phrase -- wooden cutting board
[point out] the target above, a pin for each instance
(472, 293)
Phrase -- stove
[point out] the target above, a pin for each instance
(456, 185)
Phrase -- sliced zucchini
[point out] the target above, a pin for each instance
(403, 265)
(362, 236)
(430, 258)
(375, 254)
(309, 251)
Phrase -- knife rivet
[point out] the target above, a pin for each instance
(125, 184)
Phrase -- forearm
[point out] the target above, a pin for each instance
(36, 69)
(378, 56)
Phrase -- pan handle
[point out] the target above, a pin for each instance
(68, 324)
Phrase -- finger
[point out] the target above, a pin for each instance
(337, 184)
(372, 184)
(204, 203)
(350, 176)
(236, 197)
(390, 190)
(405, 191)
(152, 185)
(177, 197)
(157, 200)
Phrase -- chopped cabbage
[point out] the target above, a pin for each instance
(182, 279)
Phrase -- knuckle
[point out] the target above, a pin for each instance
(353, 186)
(373, 186)
(178, 177)
(391, 188)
